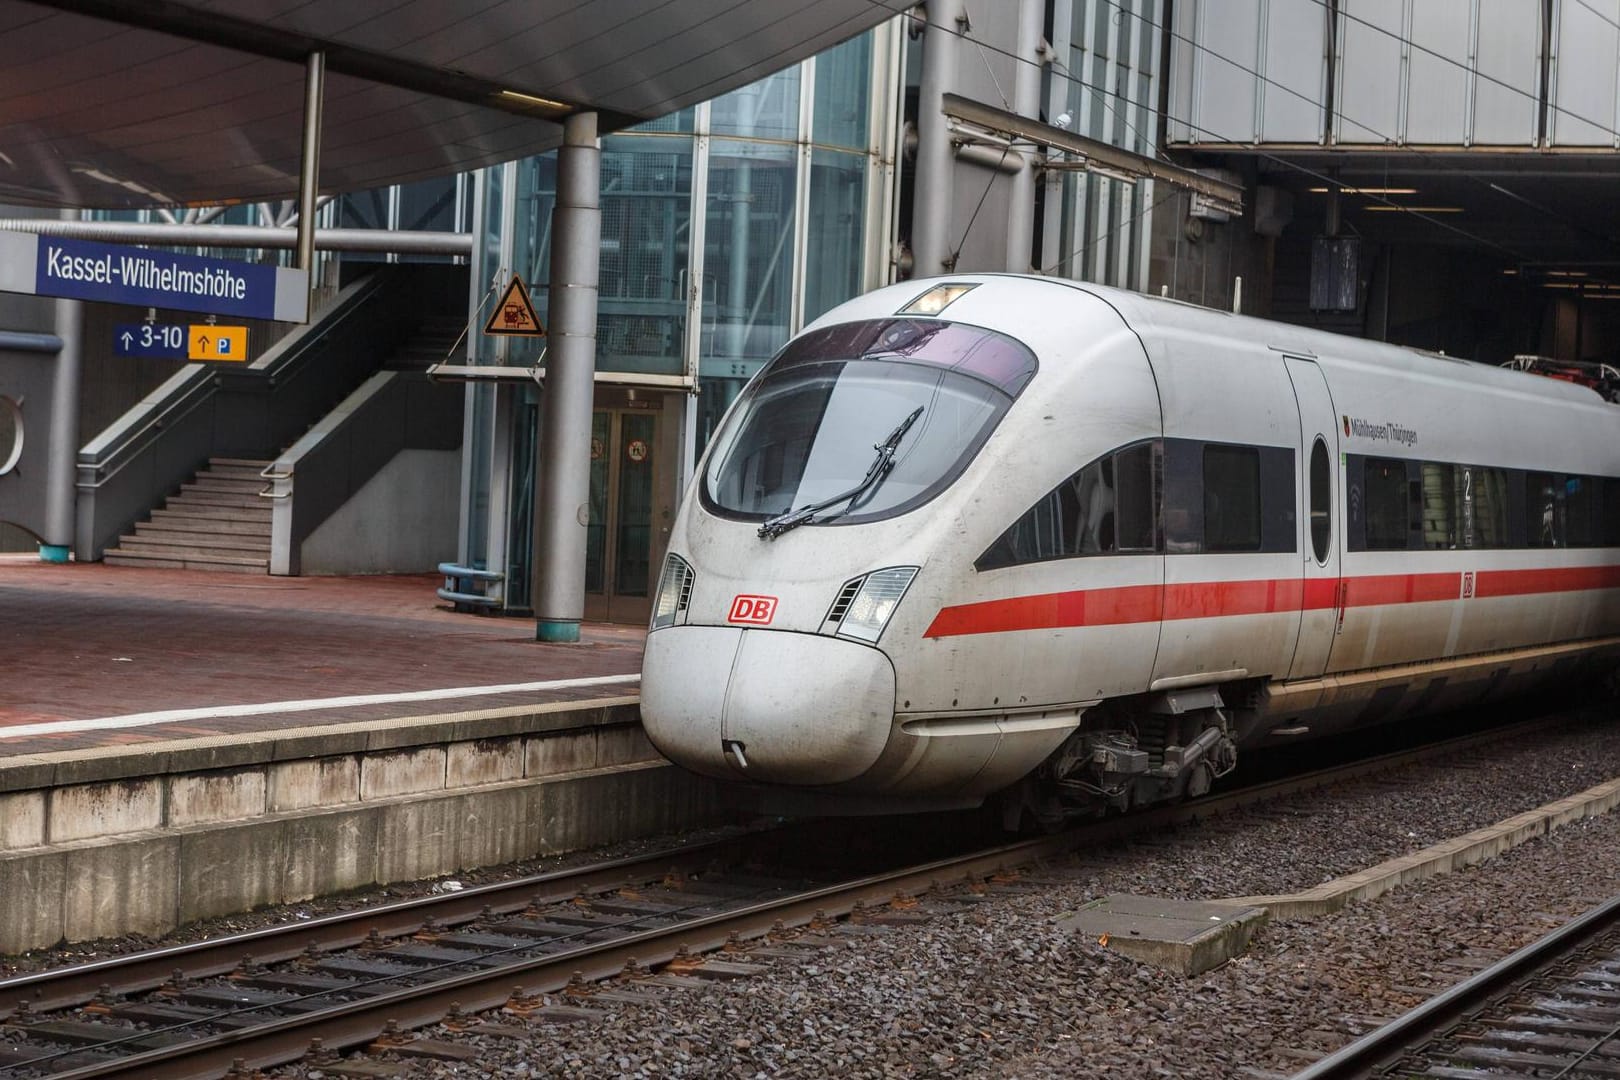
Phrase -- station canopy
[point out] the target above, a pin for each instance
(145, 103)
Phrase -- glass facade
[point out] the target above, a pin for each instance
(725, 228)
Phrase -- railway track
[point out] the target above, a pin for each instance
(1552, 1009)
(260, 998)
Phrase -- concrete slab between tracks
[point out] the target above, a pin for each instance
(1188, 936)
(1474, 847)
(142, 839)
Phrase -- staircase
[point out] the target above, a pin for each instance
(216, 522)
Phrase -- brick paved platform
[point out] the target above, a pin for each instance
(82, 642)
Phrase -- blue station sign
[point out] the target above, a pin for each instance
(121, 274)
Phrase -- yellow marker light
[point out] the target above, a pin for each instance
(937, 299)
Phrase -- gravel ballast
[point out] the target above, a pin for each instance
(996, 989)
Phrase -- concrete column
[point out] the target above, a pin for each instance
(1026, 102)
(309, 166)
(62, 448)
(563, 476)
(931, 243)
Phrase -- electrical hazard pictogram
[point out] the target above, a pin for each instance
(514, 316)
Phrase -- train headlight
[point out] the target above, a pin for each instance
(674, 592)
(871, 602)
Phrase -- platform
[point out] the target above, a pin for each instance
(97, 656)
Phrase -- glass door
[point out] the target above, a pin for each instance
(619, 537)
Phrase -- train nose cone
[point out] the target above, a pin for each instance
(797, 708)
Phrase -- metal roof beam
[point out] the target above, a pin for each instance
(1096, 156)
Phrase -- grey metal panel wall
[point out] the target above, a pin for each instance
(1426, 72)
(1295, 87)
(1585, 76)
(1507, 89)
(1248, 70)
(1372, 64)
(1439, 80)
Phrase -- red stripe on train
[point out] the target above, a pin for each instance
(1217, 599)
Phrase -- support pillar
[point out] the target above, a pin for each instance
(934, 188)
(309, 165)
(1026, 102)
(62, 448)
(563, 477)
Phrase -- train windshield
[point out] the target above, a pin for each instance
(805, 431)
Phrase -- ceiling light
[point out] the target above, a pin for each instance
(1415, 209)
(532, 99)
(1368, 190)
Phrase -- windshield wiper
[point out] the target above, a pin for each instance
(875, 473)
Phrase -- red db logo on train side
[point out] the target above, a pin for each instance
(759, 610)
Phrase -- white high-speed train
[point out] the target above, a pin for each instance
(992, 533)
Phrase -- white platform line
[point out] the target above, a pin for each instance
(172, 716)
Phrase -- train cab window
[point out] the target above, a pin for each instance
(1386, 514)
(1109, 507)
(1544, 510)
(1321, 480)
(928, 393)
(1231, 498)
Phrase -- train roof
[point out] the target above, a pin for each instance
(1143, 310)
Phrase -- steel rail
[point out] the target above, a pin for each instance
(1386, 1045)
(135, 972)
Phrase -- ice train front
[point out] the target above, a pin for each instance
(800, 567)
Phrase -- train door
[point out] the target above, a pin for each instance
(1319, 517)
(626, 453)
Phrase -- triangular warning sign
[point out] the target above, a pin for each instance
(514, 316)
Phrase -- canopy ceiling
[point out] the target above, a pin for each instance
(138, 103)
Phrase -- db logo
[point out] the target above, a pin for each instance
(759, 610)
(1468, 585)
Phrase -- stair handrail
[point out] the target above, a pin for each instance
(270, 473)
(105, 455)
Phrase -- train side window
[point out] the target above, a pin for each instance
(1231, 498)
(1386, 504)
(1136, 517)
(1440, 518)
(1321, 481)
(1579, 510)
(1485, 505)
(1544, 510)
(1611, 512)
(1108, 507)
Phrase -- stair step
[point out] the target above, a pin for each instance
(228, 547)
(156, 561)
(191, 495)
(144, 539)
(233, 484)
(243, 462)
(180, 509)
(168, 521)
(231, 472)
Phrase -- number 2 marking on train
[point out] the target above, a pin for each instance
(759, 610)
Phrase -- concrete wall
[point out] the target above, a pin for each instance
(403, 520)
(143, 839)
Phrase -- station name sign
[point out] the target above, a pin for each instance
(121, 274)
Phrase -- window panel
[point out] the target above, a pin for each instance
(1579, 511)
(1321, 501)
(1487, 492)
(1231, 498)
(1544, 510)
(1440, 518)
(1385, 500)
(1108, 507)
